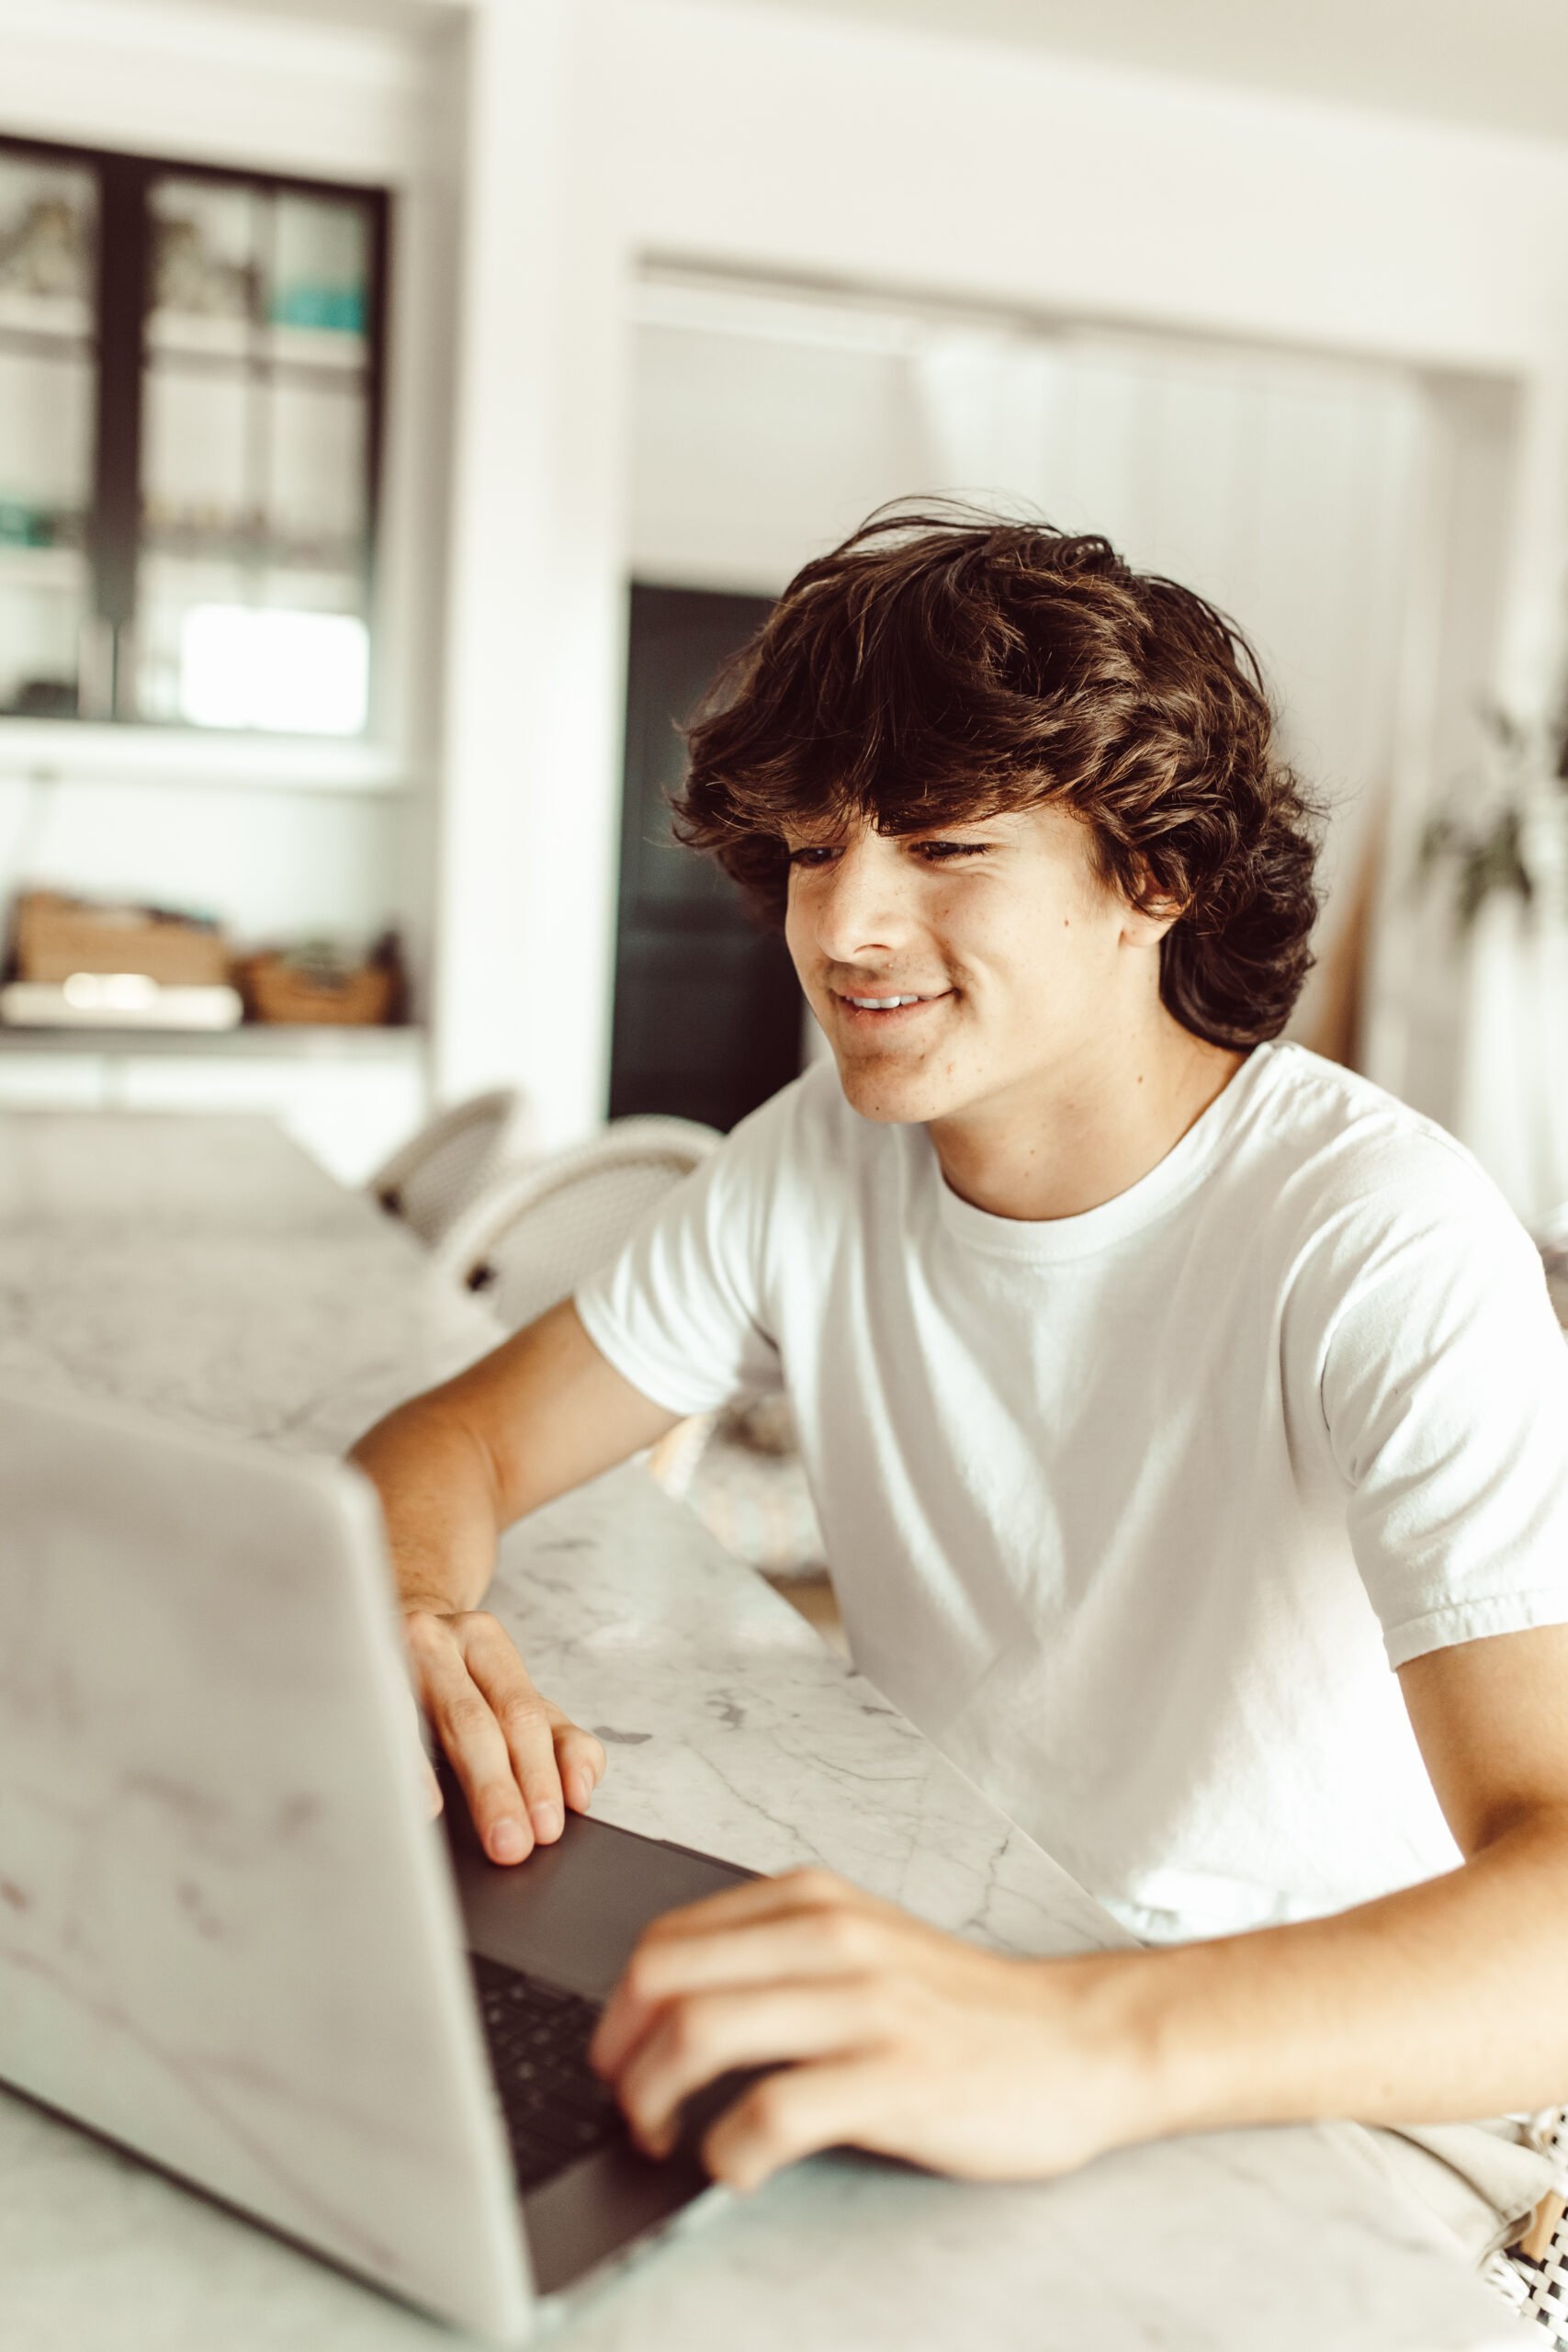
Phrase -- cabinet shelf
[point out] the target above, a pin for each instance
(307, 1041)
(342, 562)
(62, 319)
(327, 352)
(349, 1096)
(42, 567)
(101, 752)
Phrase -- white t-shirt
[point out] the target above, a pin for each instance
(1132, 1512)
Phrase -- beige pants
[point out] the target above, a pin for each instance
(1480, 2181)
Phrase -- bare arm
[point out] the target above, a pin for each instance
(1441, 2003)
(1438, 2004)
(542, 1413)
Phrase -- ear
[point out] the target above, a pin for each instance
(1149, 915)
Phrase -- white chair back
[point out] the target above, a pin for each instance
(432, 1179)
(537, 1232)
(1551, 1238)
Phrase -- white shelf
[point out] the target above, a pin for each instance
(42, 567)
(335, 350)
(191, 334)
(63, 317)
(348, 1095)
(253, 1040)
(340, 565)
(134, 755)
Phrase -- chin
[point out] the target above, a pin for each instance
(893, 1099)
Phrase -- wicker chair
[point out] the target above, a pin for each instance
(1552, 1242)
(432, 1179)
(532, 1236)
(535, 1232)
(1532, 2276)
(739, 1470)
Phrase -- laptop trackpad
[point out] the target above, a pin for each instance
(573, 1911)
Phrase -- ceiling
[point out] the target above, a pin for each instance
(1502, 64)
(1495, 64)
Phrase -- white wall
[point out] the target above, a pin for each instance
(815, 147)
(751, 450)
(765, 427)
(750, 141)
(534, 681)
(1455, 611)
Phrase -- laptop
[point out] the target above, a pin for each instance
(231, 1938)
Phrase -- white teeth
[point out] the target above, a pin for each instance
(882, 1003)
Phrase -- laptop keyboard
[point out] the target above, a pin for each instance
(557, 2110)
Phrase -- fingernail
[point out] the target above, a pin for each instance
(548, 1821)
(580, 1788)
(507, 1843)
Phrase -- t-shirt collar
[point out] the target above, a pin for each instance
(1045, 1240)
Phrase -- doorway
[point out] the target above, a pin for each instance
(707, 1010)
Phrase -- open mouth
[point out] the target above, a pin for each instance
(880, 1011)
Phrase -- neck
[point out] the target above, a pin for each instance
(1080, 1135)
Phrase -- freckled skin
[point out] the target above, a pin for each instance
(959, 919)
(1041, 1011)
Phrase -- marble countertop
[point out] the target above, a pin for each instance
(207, 1270)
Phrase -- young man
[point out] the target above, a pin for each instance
(1161, 1387)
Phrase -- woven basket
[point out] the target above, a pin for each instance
(277, 990)
(54, 937)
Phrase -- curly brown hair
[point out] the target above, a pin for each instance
(946, 665)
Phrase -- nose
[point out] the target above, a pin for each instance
(858, 906)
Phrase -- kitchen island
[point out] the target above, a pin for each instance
(204, 1269)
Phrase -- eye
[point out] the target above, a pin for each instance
(949, 853)
(814, 854)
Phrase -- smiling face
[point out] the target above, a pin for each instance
(972, 974)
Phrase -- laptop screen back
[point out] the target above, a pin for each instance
(227, 1930)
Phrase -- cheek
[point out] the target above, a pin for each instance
(1045, 962)
(798, 939)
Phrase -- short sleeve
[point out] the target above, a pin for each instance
(679, 1312)
(1444, 1388)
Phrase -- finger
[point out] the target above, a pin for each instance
(429, 1786)
(580, 1760)
(815, 1945)
(693, 2042)
(475, 1745)
(763, 1898)
(831, 2104)
(524, 1721)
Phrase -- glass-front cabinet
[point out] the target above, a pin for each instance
(190, 406)
(49, 399)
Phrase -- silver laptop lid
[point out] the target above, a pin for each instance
(227, 1931)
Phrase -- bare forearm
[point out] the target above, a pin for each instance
(1443, 2003)
(440, 1500)
(1438, 2004)
(541, 1414)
